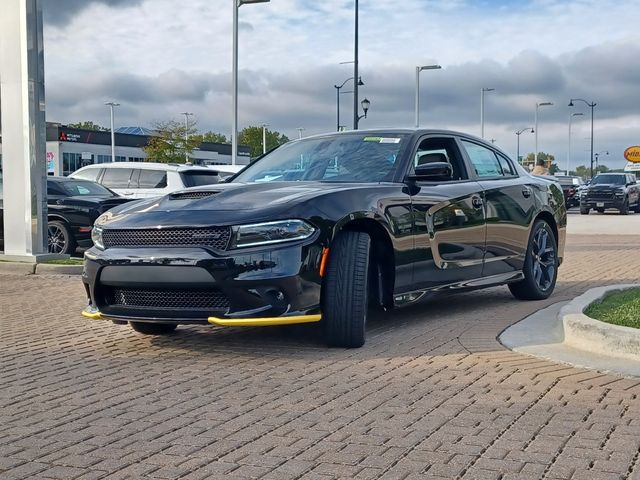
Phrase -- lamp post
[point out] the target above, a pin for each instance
(113, 136)
(356, 118)
(590, 105)
(538, 105)
(359, 83)
(597, 155)
(365, 103)
(300, 129)
(186, 134)
(234, 78)
(418, 70)
(482, 90)
(571, 115)
(518, 133)
(264, 137)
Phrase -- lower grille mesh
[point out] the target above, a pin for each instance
(168, 299)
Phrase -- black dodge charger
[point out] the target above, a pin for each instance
(323, 229)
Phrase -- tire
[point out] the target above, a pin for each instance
(624, 210)
(584, 211)
(540, 265)
(153, 328)
(59, 238)
(346, 290)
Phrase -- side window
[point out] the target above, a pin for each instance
(53, 189)
(484, 161)
(507, 168)
(152, 179)
(116, 177)
(434, 149)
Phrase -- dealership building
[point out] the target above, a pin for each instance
(68, 149)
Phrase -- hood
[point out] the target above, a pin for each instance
(605, 186)
(227, 203)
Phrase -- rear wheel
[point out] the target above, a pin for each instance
(153, 328)
(345, 294)
(584, 210)
(540, 265)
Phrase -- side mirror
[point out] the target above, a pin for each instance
(433, 171)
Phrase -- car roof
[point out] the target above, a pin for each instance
(169, 167)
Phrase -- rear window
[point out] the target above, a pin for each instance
(88, 174)
(80, 188)
(116, 177)
(197, 178)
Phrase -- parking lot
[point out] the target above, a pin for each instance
(431, 395)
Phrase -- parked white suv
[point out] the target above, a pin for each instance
(146, 179)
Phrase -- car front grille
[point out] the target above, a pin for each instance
(213, 237)
(161, 299)
(600, 195)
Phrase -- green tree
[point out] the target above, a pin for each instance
(88, 125)
(169, 145)
(214, 137)
(252, 137)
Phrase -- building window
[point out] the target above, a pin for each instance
(71, 162)
(136, 159)
(104, 159)
(120, 158)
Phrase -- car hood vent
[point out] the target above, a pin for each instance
(186, 195)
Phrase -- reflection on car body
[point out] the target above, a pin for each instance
(323, 228)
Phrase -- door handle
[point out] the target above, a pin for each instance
(476, 202)
(526, 192)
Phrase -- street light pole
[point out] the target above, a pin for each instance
(113, 136)
(597, 155)
(264, 137)
(234, 78)
(518, 133)
(538, 105)
(300, 129)
(355, 71)
(591, 105)
(186, 134)
(482, 90)
(359, 83)
(571, 115)
(417, 94)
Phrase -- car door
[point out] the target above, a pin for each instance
(449, 224)
(509, 204)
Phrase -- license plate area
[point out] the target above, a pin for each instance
(600, 204)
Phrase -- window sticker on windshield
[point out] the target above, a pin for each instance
(381, 139)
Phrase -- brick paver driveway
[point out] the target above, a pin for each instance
(431, 395)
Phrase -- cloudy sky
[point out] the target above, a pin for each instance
(161, 57)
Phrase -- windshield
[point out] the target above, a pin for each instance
(357, 157)
(610, 179)
(80, 188)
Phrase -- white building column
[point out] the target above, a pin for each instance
(23, 130)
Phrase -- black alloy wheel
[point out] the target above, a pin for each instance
(346, 290)
(59, 238)
(153, 328)
(540, 265)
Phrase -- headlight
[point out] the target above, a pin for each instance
(96, 237)
(271, 232)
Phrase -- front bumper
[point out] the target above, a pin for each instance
(268, 286)
(605, 203)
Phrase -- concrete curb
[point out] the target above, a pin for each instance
(586, 333)
(22, 268)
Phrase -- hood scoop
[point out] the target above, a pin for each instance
(187, 195)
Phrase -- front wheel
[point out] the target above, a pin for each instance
(59, 238)
(540, 265)
(584, 211)
(153, 328)
(346, 289)
(624, 210)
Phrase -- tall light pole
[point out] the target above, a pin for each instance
(186, 134)
(518, 133)
(538, 105)
(482, 90)
(234, 78)
(264, 137)
(360, 83)
(300, 130)
(418, 70)
(590, 105)
(113, 136)
(355, 71)
(571, 115)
